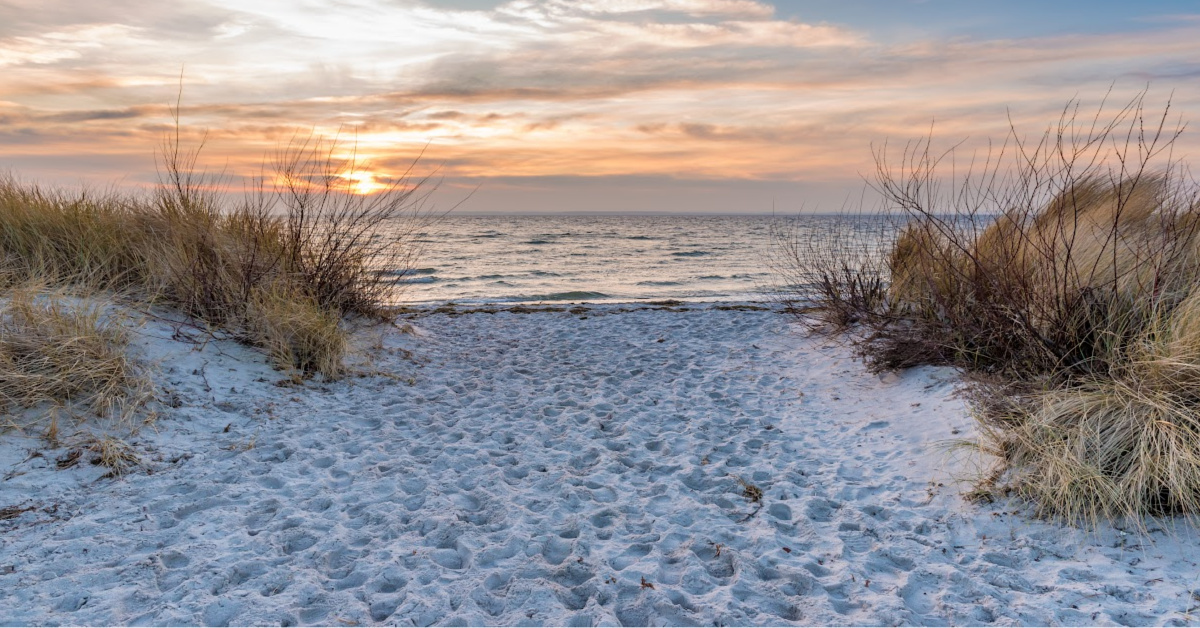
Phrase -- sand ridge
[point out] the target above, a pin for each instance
(560, 468)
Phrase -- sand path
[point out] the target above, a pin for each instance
(548, 469)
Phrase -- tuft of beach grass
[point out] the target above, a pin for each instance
(68, 355)
(1064, 279)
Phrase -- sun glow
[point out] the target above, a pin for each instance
(363, 183)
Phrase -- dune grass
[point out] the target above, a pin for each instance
(282, 265)
(286, 267)
(68, 354)
(297, 332)
(1064, 279)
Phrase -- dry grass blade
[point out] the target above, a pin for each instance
(70, 354)
(1107, 450)
(114, 454)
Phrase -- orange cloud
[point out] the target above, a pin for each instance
(677, 89)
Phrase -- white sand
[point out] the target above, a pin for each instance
(536, 470)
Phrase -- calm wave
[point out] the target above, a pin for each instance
(595, 258)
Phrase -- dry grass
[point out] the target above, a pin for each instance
(1065, 279)
(1097, 305)
(296, 331)
(68, 355)
(115, 454)
(285, 268)
(279, 269)
(66, 239)
(1055, 289)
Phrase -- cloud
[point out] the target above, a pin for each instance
(69, 43)
(734, 8)
(720, 89)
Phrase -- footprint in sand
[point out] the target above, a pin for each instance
(821, 510)
(919, 592)
(556, 549)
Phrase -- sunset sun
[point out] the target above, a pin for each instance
(363, 182)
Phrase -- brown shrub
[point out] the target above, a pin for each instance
(306, 238)
(1065, 279)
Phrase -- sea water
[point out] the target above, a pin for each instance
(524, 259)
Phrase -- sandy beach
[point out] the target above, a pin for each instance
(623, 465)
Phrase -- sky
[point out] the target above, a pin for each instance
(571, 106)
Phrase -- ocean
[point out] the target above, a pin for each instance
(526, 259)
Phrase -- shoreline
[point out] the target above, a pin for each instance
(760, 299)
(458, 308)
(517, 470)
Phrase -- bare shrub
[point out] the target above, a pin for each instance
(1042, 261)
(351, 250)
(1062, 275)
(831, 270)
(301, 251)
(301, 234)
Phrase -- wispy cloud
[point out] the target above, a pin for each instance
(681, 89)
